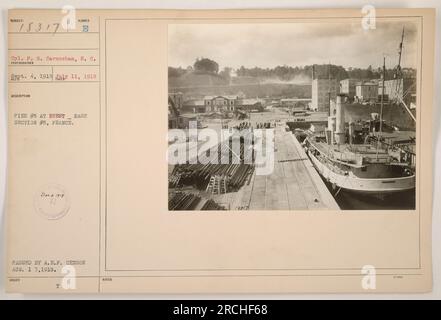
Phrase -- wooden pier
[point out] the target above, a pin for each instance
(294, 184)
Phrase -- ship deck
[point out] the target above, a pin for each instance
(347, 153)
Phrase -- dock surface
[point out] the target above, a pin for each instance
(293, 185)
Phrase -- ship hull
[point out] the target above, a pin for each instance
(376, 187)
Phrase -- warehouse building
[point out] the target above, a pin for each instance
(347, 87)
(220, 103)
(366, 92)
(323, 90)
(397, 89)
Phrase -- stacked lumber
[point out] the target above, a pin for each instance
(224, 165)
(212, 205)
(183, 201)
(199, 175)
(189, 201)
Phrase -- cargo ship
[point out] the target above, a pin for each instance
(368, 157)
(357, 158)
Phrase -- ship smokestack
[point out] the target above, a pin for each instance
(351, 132)
(330, 130)
(340, 136)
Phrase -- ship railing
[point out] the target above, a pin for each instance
(332, 156)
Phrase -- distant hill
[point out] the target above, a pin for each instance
(194, 79)
(199, 84)
(250, 90)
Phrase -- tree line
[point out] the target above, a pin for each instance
(287, 73)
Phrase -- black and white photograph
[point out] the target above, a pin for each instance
(303, 115)
(298, 157)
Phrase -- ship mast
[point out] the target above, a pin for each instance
(329, 87)
(400, 51)
(382, 95)
(381, 107)
(399, 75)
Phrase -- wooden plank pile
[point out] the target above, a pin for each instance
(212, 205)
(199, 175)
(224, 165)
(183, 201)
(189, 201)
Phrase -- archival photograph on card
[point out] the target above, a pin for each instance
(293, 116)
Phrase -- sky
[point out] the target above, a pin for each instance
(265, 45)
